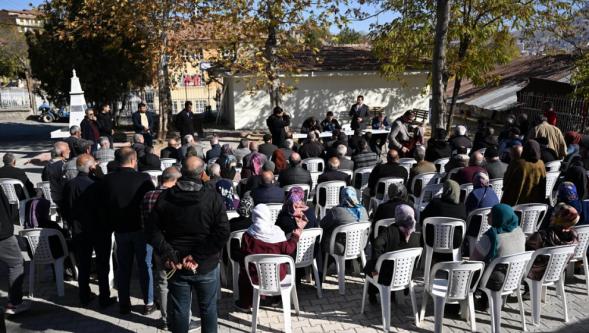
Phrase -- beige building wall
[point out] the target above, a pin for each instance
(317, 93)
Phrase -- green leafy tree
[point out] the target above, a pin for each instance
(478, 37)
(348, 35)
(14, 60)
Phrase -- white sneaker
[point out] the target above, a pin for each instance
(16, 309)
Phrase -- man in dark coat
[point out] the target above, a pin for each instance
(268, 192)
(149, 161)
(267, 148)
(333, 173)
(54, 172)
(9, 170)
(295, 174)
(105, 122)
(277, 124)
(185, 120)
(75, 141)
(391, 168)
(359, 114)
(122, 192)
(311, 148)
(89, 128)
(80, 211)
(145, 122)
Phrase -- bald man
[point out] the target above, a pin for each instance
(188, 229)
(268, 192)
(332, 173)
(295, 174)
(475, 165)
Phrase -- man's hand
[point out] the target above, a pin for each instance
(360, 119)
(404, 149)
(188, 263)
(171, 265)
(297, 232)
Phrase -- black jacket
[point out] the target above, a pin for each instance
(79, 200)
(122, 193)
(441, 207)
(215, 151)
(149, 162)
(460, 141)
(105, 123)
(295, 175)
(385, 170)
(277, 126)
(54, 173)
(346, 164)
(8, 215)
(151, 122)
(311, 149)
(8, 171)
(437, 149)
(267, 193)
(170, 152)
(331, 175)
(185, 123)
(267, 149)
(189, 219)
(359, 112)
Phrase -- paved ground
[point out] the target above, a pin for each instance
(332, 313)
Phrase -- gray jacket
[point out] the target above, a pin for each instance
(399, 133)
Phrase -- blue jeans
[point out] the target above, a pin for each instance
(129, 245)
(180, 297)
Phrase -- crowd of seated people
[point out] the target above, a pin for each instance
(153, 224)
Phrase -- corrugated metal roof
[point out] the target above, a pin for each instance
(498, 99)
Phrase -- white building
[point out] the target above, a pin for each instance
(330, 85)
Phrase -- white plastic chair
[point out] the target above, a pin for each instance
(407, 163)
(381, 193)
(104, 167)
(306, 188)
(459, 287)
(443, 239)
(553, 166)
(452, 172)
(269, 284)
(314, 164)
(9, 188)
(440, 164)
(45, 188)
(167, 162)
(360, 179)
(581, 251)
(404, 263)
(483, 213)
(305, 255)
(515, 265)
(38, 240)
(427, 194)
(154, 174)
(465, 190)
(559, 257)
(424, 179)
(347, 172)
(274, 210)
(330, 191)
(551, 179)
(232, 214)
(356, 238)
(235, 236)
(531, 216)
(497, 185)
(382, 224)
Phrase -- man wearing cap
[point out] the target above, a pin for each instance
(495, 168)
(459, 139)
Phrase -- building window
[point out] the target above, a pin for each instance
(199, 105)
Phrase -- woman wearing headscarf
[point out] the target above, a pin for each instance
(576, 174)
(448, 205)
(567, 194)
(227, 161)
(559, 232)
(482, 196)
(225, 188)
(525, 178)
(398, 236)
(263, 237)
(397, 196)
(294, 205)
(279, 160)
(244, 220)
(349, 210)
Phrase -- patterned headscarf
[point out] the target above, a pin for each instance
(405, 219)
(257, 162)
(246, 205)
(225, 188)
(564, 216)
(480, 179)
(295, 199)
(567, 193)
(503, 219)
(349, 200)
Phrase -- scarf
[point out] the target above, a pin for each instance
(398, 191)
(263, 228)
(256, 163)
(451, 191)
(295, 200)
(349, 200)
(564, 216)
(245, 206)
(503, 219)
(225, 189)
(480, 179)
(572, 137)
(405, 220)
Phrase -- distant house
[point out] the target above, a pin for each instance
(24, 20)
(329, 81)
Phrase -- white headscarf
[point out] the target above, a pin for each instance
(460, 130)
(263, 227)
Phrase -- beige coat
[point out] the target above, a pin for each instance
(553, 134)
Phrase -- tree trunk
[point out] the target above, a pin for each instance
(29, 83)
(164, 88)
(438, 106)
(270, 55)
(464, 44)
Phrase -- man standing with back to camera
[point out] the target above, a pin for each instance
(277, 124)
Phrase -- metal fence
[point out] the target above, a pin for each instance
(571, 112)
(14, 98)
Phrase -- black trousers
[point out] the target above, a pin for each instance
(85, 243)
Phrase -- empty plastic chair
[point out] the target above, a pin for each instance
(9, 188)
(445, 239)
(458, 287)
(38, 241)
(270, 284)
(154, 174)
(427, 194)
(104, 167)
(531, 216)
(382, 224)
(452, 172)
(407, 163)
(558, 258)
(274, 210)
(234, 240)
(497, 185)
(314, 164)
(465, 190)
(404, 263)
(422, 179)
(440, 164)
(305, 255)
(581, 251)
(381, 193)
(483, 214)
(514, 267)
(306, 188)
(360, 179)
(347, 172)
(167, 162)
(327, 196)
(356, 235)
